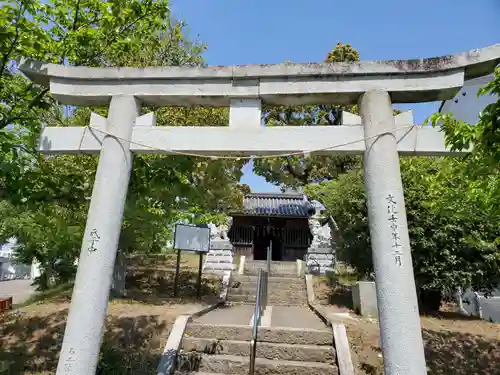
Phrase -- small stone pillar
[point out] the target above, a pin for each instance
(118, 287)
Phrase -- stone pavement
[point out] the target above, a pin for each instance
(295, 317)
(19, 290)
(232, 315)
(274, 316)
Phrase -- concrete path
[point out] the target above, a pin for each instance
(19, 290)
(229, 315)
(295, 317)
(274, 316)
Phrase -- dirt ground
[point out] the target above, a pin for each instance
(454, 344)
(136, 328)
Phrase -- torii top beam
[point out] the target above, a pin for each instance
(408, 81)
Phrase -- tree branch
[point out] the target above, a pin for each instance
(36, 100)
(113, 39)
(302, 177)
(77, 10)
(6, 56)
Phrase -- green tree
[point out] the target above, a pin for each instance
(483, 138)
(294, 171)
(44, 199)
(453, 227)
(300, 170)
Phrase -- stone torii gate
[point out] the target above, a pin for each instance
(373, 85)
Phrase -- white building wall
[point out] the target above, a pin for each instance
(466, 105)
(11, 270)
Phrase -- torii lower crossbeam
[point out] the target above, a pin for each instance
(320, 140)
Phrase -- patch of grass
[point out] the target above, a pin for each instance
(335, 288)
(150, 279)
(189, 260)
(157, 286)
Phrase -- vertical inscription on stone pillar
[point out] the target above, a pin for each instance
(68, 366)
(393, 224)
(94, 240)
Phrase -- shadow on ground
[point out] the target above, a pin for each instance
(131, 345)
(451, 314)
(446, 352)
(460, 353)
(157, 286)
(149, 286)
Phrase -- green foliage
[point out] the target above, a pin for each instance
(294, 171)
(44, 200)
(483, 137)
(300, 170)
(453, 227)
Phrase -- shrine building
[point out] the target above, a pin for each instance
(280, 220)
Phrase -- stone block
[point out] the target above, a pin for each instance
(219, 257)
(320, 250)
(364, 298)
(320, 261)
(220, 245)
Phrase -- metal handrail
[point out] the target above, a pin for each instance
(260, 306)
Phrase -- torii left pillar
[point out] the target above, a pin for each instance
(89, 303)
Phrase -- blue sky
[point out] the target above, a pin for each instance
(274, 31)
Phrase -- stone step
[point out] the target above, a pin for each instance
(284, 290)
(275, 273)
(277, 268)
(271, 297)
(271, 280)
(273, 301)
(284, 265)
(243, 289)
(229, 364)
(299, 336)
(274, 351)
(274, 295)
(272, 285)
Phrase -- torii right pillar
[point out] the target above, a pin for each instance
(401, 335)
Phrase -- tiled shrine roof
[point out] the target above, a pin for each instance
(277, 205)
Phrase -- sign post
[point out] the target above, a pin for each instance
(198, 283)
(177, 270)
(194, 238)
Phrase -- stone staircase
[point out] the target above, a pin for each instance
(277, 268)
(284, 288)
(292, 341)
(282, 291)
(209, 349)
